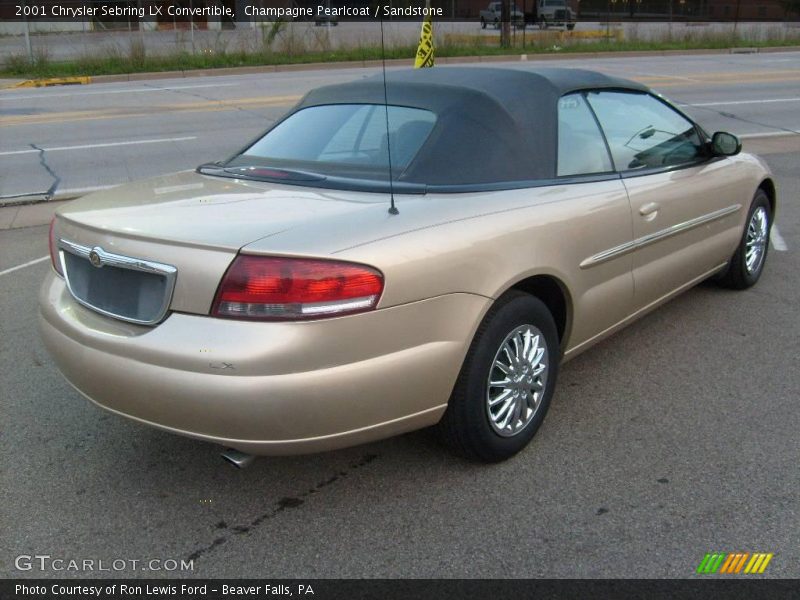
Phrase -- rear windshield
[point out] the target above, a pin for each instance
(344, 140)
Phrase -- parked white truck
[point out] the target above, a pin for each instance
(554, 12)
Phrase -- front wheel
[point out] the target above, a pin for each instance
(747, 262)
(483, 23)
(504, 389)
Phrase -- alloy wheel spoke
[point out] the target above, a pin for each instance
(536, 361)
(517, 412)
(501, 397)
(503, 367)
(509, 353)
(530, 355)
(505, 413)
(526, 345)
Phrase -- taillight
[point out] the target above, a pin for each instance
(54, 248)
(280, 289)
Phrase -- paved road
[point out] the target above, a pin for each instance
(66, 139)
(674, 438)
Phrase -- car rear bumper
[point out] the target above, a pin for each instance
(268, 388)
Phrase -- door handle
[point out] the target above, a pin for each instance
(649, 209)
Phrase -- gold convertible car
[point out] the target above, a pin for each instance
(398, 253)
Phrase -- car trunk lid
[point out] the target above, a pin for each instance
(189, 222)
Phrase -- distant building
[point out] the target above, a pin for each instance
(711, 10)
(470, 9)
(747, 10)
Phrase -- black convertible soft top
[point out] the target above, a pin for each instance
(493, 125)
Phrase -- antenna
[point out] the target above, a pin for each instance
(392, 209)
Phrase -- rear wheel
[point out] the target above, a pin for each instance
(747, 263)
(504, 389)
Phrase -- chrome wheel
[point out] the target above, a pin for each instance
(756, 241)
(517, 380)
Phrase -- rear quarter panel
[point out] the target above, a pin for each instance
(485, 243)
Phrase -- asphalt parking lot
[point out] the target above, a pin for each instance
(673, 438)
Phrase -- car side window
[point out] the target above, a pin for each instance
(643, 132)
(581, 149)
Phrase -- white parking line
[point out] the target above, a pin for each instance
(777, 240)
(23, 265)
(736, 102)
(106, 145)
(768, 134)
(122, 91)
(85, 190)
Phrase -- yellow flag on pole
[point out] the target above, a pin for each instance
(424, 57)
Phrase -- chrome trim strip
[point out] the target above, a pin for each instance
(169, 272)
(657, 236)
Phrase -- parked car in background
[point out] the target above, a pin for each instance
(323, 19)
(392, 254)
(493, 15)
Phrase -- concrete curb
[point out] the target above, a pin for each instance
(395, 62)
(29, 215)
(7, 83)
(52, 81)
(30, 199)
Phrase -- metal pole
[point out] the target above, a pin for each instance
(27, 33)
(670, 20)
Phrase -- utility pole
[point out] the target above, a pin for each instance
(27, 32)
(505, 24)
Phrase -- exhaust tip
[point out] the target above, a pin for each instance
(240, 460)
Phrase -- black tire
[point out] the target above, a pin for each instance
(483, 23)
(738, 276)
(570, 26)
(466, 426)
(542, 23)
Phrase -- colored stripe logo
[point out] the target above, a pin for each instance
(731, 563)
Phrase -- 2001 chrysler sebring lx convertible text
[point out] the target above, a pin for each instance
(275, 303)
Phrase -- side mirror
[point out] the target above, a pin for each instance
(725, 144)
